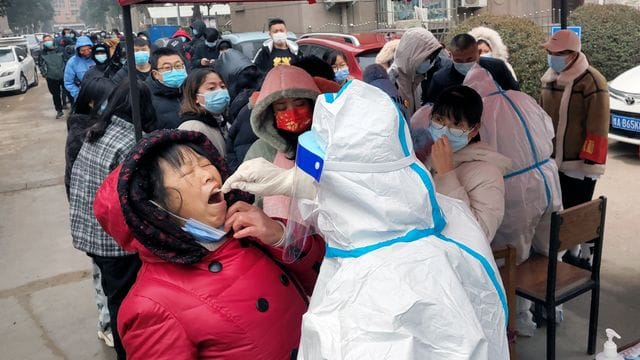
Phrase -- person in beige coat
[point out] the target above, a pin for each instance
(464, 168)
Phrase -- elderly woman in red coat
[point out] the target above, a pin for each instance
(196, 295)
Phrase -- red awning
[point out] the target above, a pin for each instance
(134, 2)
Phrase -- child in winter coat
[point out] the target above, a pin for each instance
(199, 294)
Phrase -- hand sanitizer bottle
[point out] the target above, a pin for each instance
(610, 351)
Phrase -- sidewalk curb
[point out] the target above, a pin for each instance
(9, 188)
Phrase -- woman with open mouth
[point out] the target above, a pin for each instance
(212, 283)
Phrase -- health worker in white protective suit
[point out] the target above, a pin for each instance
(514, 125)
(407, 274)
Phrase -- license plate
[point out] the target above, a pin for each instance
(625, 123)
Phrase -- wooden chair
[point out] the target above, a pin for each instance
(508, 275)
(548, 282)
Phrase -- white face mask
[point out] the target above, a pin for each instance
(279, 37)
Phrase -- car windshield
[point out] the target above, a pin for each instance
(366, 59)
(6, 56)
(250, 48)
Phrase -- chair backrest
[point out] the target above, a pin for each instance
(579, 224)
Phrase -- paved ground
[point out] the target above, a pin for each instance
(46, 304)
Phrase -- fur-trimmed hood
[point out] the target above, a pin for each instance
(498, 48)
(281, 82)
(293, 47)
(388, 51)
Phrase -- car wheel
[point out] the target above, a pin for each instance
(24, 85)
(35, 78)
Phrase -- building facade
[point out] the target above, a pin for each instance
(367, 15)
(66, 12)
(302, 17)
(4, 26)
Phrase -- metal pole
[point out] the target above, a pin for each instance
(133, 78)
(564, 11)
(178, 4)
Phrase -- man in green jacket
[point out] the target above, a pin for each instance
(51, 64)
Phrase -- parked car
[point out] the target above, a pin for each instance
(624, 97)
(17, 69)
(34, 45)
(250, 42)
(359, 49)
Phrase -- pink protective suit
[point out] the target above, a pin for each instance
(517, 127)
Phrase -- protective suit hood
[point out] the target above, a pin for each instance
(404, 269)
(480, 80)
(359, 144)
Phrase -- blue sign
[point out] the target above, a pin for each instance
(575, 29)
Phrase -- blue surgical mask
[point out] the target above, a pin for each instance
(203, 232)
(48, 44)
(183, 39)
(424, 67)
(210, 44)
(557, 62)
(457, 142)
(216, 101)
(463, 68)
(174, 78)
(101, 58)
(141, 57)
(195, 31)
(342, 74)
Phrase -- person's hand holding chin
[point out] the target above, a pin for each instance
(249, 221)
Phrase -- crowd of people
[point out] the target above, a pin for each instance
(277, 207)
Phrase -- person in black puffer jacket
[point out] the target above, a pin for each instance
(242, 78)
(205, 53)
(198, 29)
(165, 84)
(107, 64)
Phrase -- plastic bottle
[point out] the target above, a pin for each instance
(610, 351)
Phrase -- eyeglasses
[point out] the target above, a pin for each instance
(168, 67)
(439, 123)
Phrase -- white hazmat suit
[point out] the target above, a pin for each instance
(514, 125)
(407, 274)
